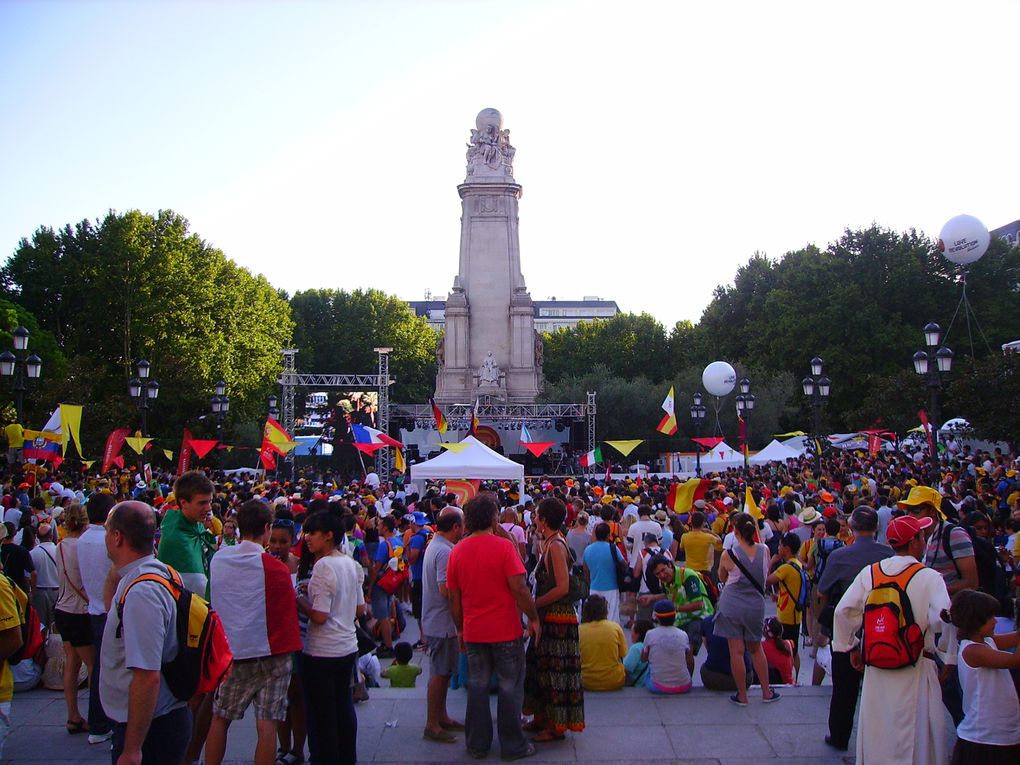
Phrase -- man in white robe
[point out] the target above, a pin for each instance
(902, 719)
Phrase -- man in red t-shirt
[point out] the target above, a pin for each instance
(488, 593)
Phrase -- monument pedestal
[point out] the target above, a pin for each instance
(490, 348)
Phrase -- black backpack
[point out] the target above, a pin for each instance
(992, 576)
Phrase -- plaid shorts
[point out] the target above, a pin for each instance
(263, 680)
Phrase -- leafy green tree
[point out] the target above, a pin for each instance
(986, 393)
(141, 286)
(336, 331)
(627, 346)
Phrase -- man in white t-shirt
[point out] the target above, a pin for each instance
(644, 525)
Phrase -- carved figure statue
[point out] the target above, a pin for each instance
(489, 371)
(441, 351)
(490, 144)
(539, 350)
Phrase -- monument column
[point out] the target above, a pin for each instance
(490, 346)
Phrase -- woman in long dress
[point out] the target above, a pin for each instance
(741, 614)
(552, 682)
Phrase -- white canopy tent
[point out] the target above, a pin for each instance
(774, 452)
(476, 461)
(721, 456)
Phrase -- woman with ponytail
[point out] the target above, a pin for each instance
(741, 615)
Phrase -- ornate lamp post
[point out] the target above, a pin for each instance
(143, 390)
(745, 405)
(932, 364)
(817, 388)
(220, 406)
(274, 410)
(18, 369)
(698, 412)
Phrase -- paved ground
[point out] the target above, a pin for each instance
(625, 726)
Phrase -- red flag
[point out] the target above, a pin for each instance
(537, 447)
(203, 447)
(268, 458)
(119, 461)
(369, 449)
(708, 442)
(114, 443)
(874, 443)
(441, 425)
(184, 461)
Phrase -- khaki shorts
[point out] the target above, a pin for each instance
(444, 655)
(264, 680)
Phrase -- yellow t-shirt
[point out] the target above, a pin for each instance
(10, 618)
(789, 584)
(15, 436)
(603, 647)
(696, 546)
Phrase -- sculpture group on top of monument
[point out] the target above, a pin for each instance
(490, 144)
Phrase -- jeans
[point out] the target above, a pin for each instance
(332, 721)
(99, 723)
(506, 659)
(166, 741)
(846, 684)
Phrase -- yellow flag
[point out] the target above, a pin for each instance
(454, 447)
(751, 507)
(88, 464)
(398, 461)
(136, 443)
(168, 454)
(625, 447)
(229, 448)
(70, 424)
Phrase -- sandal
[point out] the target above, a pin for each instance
(546, 736)
(74, 728)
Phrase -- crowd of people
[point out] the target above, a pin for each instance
(577, 586)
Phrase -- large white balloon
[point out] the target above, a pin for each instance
(964, 239)
(719, 378)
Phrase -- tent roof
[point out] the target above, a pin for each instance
(775, 451)
(477, 461)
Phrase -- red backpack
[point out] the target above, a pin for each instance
(203, 653)
(891, 638)
(31, 627)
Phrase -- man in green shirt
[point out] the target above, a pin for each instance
(686, 589)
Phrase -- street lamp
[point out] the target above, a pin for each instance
(274, 411)
(143, 390)
(817, 388)
(932, 364)
(17, 369)
(220, 406)
(698, 412)
(745, 405)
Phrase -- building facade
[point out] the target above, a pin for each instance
(550, 315)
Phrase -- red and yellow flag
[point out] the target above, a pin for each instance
(668, 423)
(441, 425)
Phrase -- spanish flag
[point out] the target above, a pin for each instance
(438, 414)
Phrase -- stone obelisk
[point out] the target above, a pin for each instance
(490, 349)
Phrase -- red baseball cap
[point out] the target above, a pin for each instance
(901, 530)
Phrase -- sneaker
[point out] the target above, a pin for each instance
(736, 700)
(774, 697)
(98, 738)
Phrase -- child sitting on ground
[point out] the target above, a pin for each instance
(401, 672)
(668, 652)
(990, 731)
(779, 653)
(637, 669)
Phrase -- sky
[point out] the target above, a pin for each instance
(659, 144)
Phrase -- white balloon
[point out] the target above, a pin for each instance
(964, 239)
(719, 378)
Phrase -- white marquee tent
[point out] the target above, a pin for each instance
(774, 452)
(476, 461)
(721, 456)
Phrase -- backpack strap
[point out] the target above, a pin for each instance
(174, 585)
(901, 580)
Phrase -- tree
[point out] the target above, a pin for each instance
(336, 332)
(985, 393)
(627, 346)
(141, 286)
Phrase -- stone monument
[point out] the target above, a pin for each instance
(490, 349)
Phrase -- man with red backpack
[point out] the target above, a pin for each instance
(150, 723)
(897, 603)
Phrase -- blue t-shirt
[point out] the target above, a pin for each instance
(667, 538)
(418, 542)
(601, 566)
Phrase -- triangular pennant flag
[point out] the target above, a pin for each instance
(88, 464)
(229, 448)
(709, 442)
(537, 447)
(137, 443)
(625, 447)
(455, 447)
(70, 424)
(203, 447)
(168, 454)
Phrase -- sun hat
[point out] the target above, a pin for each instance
(809, 515)
(921, 495)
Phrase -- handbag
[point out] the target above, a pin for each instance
(390, 581)
(625, 579)
(747, 575)
(578, 588)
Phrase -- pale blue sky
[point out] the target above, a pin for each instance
(659, 144)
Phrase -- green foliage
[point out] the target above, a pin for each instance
(986, 393)
(337, 330)
(626, 346)
(137, 286)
